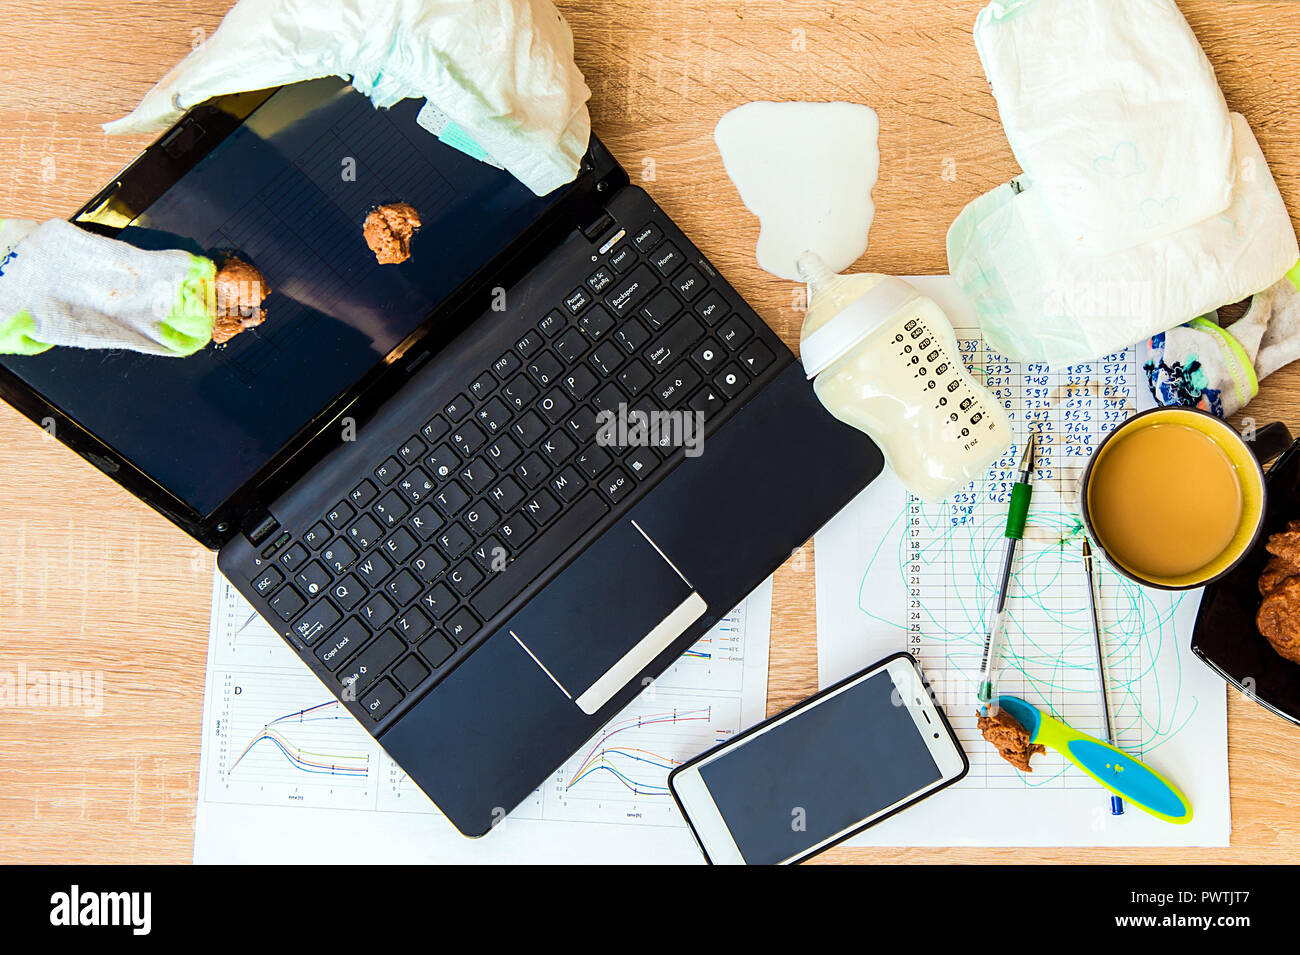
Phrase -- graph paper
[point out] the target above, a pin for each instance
(896, 573)
(288, 775)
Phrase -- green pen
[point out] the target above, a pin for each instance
(1021, 492)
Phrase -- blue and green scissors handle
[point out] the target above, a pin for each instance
(1113, 768)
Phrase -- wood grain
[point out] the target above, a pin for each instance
(94, 581)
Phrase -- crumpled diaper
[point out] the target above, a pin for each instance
(1143, 202)
(1040, 300)
(502, 70)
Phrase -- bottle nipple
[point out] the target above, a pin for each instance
(813, 270)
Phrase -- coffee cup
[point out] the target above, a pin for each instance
(1174, 498)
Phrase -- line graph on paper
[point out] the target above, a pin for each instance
(276, 738)
(944, 561)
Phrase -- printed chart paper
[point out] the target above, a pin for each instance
(894, 573)
(287, 775)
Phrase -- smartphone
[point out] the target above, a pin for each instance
(837, 763)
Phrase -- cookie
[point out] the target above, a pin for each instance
(1279, 619)
(1009, 738)
(1286, 545)
(388, 232)
(240, 290)
(1276, 570)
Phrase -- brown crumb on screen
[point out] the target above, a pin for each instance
(388, 232)
(1009, 738)
(240, 291)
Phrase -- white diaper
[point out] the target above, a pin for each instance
(1113, 110)
(1039, 299)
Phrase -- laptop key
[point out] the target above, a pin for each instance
(438, 601)
(506, 365)
(389, 471)
(731, 381)
(571, 345)
(515, 530)
(294, 556)
(391, 508)
(545, 368)
(623, 258)
(468, 439)
(412, 625)
(348, 592)
(528, 428)
(312, 579)
(615, 485)
(552, 324)
(340, 515)
(377, 611)
(461, 626)
(270, 579)
(373, 569)
(429, 565)
(455, 541)
(541, 509)
(381, 698)
(577, 300)
(712, 308)
(506, 494)
(342, 643)
(403, 588)
(338, 556)
(583, 424)
(457, 408)
(287, 603)
(632, 291)
(489, 555)
(608, 398)
(435, 429)
(480, 517)
(539, 555)
(532, 470)
(675, 343)
(555, 406)
(416, 486)
(363, 494)
(365, 533)
(493, 416)
(593, 461)
(504, 453)
(673, 390)
(631, 335)
(318, 536)
(529, 345)
(635, 378)
(667, 259)
(756, 357)
(734, 332)
(708, 357)
(465, 577)
(597, 324)
(519, 394)
(607, 358)
(642, 461)
(437, 650)
(706, 401)
(364, 668)
(580, 382)
(410, 673)
(600, 280)
(401, 545)
(689, 283)
(425, 522)
(647, 237)
(410, 451)
(443, 461)
(483, 386)
(451, 499)
(477, 476)
(557, 449)
(661, 309)
(316, 622)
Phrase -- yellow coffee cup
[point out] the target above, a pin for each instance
(1175, 497)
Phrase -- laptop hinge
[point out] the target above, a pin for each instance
(259, 526)
(598, 228)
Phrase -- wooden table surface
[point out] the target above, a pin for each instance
(92, 580)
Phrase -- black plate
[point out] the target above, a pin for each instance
(1226, 637)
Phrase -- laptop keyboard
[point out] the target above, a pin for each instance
(389, 586)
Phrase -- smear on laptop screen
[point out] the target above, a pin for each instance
(289, 191)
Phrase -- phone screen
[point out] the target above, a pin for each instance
(820, 773)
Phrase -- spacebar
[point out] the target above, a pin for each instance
(578, 518)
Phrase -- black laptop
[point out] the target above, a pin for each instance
(462, 488)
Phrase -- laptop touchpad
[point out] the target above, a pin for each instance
(607, 616)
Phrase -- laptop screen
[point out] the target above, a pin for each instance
(288, 191)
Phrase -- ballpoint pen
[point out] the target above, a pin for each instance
(1116, 803)
(1021, 492)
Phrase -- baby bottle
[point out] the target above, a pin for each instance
(883, 358)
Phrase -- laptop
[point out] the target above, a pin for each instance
(486, 495)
